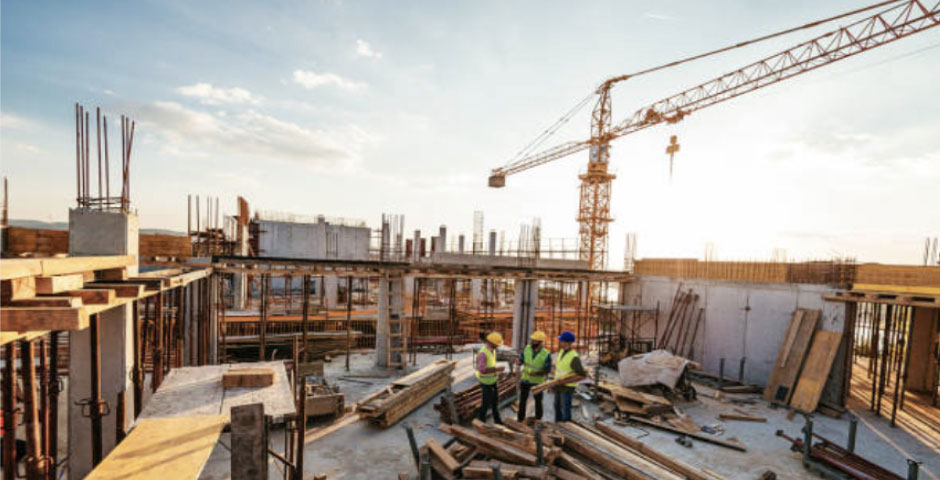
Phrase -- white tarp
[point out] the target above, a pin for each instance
(656, 367)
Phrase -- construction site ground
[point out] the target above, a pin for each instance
(359, 450)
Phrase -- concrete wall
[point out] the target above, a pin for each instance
(320, 240)
(741, 319)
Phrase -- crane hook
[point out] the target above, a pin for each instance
(671, 150)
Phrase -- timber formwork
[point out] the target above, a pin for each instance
(43, 299)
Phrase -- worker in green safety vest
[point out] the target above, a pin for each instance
(536, 362)
(488, 375)
(568, 362)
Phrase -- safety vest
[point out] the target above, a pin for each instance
(487, 378)
(563, 365)
(532, 368)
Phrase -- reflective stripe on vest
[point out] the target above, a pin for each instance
(532, 368)
(487, 378)
(563, 365)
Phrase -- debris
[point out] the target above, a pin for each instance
(684, 440)
(658, 367)
(705, 438)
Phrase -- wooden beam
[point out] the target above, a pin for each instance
(62, 266)
(94, 296)
(62, 302)
(11, 268)
(112, 274)
(59, 283)
(17, 289)
(124, 290)
(16, 319)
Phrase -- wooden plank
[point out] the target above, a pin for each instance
(17, 319)
(59, 283)
(17, 289)
(122, 290)
(610, 456)
(816, 370)
(248, 377)
(701, 436)
(112, 274)
(448, 461)
(647, 451)
(62, 266)
(62, 302)
(790, 359)
(11, 268)
(160, 449)
(94, 296)
(741, 417)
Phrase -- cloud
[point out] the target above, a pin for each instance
(9, 120)
(186, 131)
(209, 95)
(658, 16)
(311, 80)
(364, 49)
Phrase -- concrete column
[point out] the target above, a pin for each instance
(390, 308)
(460, 244)
(416, 246)
(331, 290)
(476, 291)
(492, 242)
(442, 239)
(523, 312)
(922, 369)
(100, 233)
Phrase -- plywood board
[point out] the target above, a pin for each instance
(790, 359)
(815, 370)
(163, 448)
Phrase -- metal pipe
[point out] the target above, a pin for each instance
(107, 164)
(34, 455)
(913, 468)
(98, 132)
(853, 428)
(721, 373)
(95, 404)
(413, 444)
(157, 356)
(741, 370)
(53, 452)
(807, 440)
(349, 322)
(44, 398)
(9, 410)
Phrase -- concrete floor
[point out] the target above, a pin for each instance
(360, 451)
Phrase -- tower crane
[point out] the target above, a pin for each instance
(900, 19)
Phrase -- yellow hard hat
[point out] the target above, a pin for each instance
(495, 338)
(538, 336)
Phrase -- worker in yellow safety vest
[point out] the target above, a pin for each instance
(568, 362)
(536, 362)
(488, 375)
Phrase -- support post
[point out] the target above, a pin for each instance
(249, 439)
(34, 456)
(9, 410)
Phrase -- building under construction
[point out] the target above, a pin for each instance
(266, 344)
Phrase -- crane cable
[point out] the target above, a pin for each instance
(521, 155)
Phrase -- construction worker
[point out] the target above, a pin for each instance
(568, 362)
(488, 374)
(536, 362)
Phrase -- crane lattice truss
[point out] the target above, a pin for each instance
(899, 21)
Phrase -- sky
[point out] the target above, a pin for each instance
(354, 109)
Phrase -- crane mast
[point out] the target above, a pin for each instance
(903, 19)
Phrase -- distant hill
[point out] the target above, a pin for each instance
(39, 224)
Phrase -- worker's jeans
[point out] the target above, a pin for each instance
(490, 400)
(563, 405)
(524, 388)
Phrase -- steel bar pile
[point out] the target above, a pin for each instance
(837, 458)
(467, 401)
(389, 405)
(568, 451)
(100, 198)
(683, 324)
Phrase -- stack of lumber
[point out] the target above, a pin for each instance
(35, 241)
(570, 451)
(625, 401)
(467, 401)
(389, 405)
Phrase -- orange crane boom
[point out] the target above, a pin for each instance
(903, 19)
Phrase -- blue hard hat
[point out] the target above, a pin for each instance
(566, 337)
